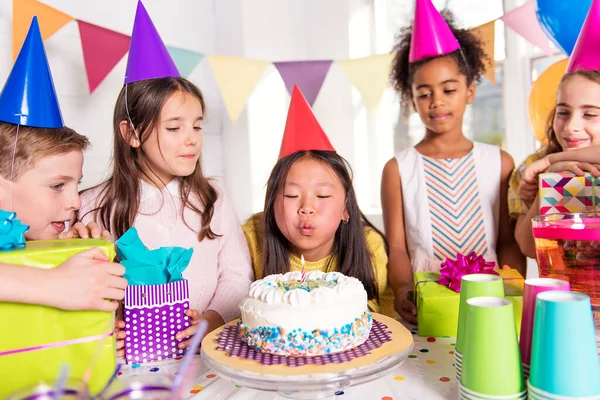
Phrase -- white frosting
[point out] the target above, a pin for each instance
(322, 308)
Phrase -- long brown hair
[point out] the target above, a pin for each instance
(119, 199)
(349, 245)
(552, 144)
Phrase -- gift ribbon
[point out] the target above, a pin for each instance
(12, 231)
(452, 271)
(57, 344)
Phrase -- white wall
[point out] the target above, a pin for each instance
(275, 30)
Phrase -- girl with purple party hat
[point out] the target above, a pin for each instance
(158, 187)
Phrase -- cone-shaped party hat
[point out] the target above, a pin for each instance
(586, 53)
(431, 35)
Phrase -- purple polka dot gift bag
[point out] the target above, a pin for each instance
(155, 300)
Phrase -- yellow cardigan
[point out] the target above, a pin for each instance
(254, 235)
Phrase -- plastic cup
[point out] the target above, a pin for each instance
(470, 395)
(74, 389)
(139, 387)
(491, 361)
(564, 356)
(530, 291)
(473, 285)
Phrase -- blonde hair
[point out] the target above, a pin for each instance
(33, 144)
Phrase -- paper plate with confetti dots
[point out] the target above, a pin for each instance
(389, 344)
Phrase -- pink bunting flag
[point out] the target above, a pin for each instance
(523, 20)
(102, 50)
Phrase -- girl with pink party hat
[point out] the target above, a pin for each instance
(447, 194)
(573, 126)
(157, 184)
(311, 212)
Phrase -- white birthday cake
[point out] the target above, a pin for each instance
(324, 314)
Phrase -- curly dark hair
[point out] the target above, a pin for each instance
(471, 60)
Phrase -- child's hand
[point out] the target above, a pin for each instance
(405, 306)
(531, 171)
(84, 282)
(120, 336)
(578, 168)
(81, 231)
(527, 191)
(213, 318)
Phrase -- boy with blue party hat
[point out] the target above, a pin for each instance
(40, 169)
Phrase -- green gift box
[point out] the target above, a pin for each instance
(35, 341)
(437, 305)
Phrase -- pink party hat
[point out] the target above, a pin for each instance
(586, 54)
(431, 35)
(148, 55)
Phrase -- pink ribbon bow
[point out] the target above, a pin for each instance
(453, 270)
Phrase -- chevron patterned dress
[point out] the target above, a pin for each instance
(457, 221)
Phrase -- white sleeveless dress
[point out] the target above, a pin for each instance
(450, 205)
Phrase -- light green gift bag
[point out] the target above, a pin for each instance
(35, 341)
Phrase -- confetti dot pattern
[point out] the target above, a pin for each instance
(229, 341)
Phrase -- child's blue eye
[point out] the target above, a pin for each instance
(57, 187)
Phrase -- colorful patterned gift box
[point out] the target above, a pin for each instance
(35, 341)
(155, 300)
(437, 305)
(564, 192)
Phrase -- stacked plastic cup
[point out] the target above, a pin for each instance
(491, 362)
(564, 358)
(473, 285)
(530, 291)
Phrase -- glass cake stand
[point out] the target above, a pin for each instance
(313, 385)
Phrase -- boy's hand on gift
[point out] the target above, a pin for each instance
(578, 168)
(85, 281)
(405, 306)
(120, 336)
(92, 230)
(213, 319)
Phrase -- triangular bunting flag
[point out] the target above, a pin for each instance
(185, 60)
(50, 20)
(102, 50)
(487, 34)
(307, 75)
(524, 21)
(236, 78)
(370, 76)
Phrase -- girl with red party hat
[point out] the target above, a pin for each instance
(157, 184)
(447, 194)
(573, 126)
(311, 211)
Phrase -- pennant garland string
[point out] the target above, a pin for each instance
(236, 76)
